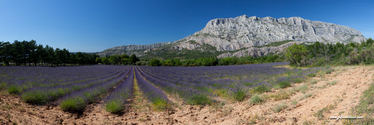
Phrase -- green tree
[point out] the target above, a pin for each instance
(295, 54)
(155, 62)
(125, 61)
(105, 60)
(133, 59)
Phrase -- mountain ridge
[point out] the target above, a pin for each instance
(233, 34)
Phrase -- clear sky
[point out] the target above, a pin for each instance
(95, 25)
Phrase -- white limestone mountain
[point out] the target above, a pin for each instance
(244, 34)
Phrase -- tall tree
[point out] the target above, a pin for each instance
(32, 52)
(133, 59)
(7, 52)
(66, 54)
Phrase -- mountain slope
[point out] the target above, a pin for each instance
(237, 34)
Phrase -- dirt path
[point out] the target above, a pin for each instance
(334, 94)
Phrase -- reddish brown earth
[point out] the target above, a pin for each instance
(338, 92)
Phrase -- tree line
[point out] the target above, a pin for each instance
(318, 54)
(118, 60)
(29, 53)
(203, 61)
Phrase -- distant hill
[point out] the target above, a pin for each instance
(243, 36)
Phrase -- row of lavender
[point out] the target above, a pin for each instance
(18, 79)
(193, 82)
(75, 87)
(78, 86)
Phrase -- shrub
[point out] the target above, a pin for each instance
(239, 95)
(160, 104)
(333, 82)
(221, 92)
(284, 84)
(312, 75)
(279, 107)
(280, 95)
(14, 89)
(302, 88)
(249, 84)
(73, 104)
(199, 100)
(38, 98)
(256, 99)
(114, 106)
(313, 82)
(298, 80)
(261, 89)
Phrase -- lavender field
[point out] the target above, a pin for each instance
(73, 88)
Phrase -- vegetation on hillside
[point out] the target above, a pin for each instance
(318, 54)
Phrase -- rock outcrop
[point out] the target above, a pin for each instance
(131, 49)
(231, 34)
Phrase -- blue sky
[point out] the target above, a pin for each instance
(95, 25)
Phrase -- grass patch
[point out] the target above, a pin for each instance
(14, 89)
(313, 82)
(279, 107)
(256, 99)
(298, 80)
(199, 100)
(280, 95)
(261, 89)
(319, 113)
(284, 84)
(311, 75)
(302, 88)
(221, 93)
(328, 71)
(160, 104)
(239, 94)
(249, 84)
(294, 102)
(306, 96)
(333, 82)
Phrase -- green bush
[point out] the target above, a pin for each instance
(298, 80)
(239, 95)
(256, 99)
(114, 106)
(261, 89)
(284, 84)
(38, 98)
(279, 107)
(311, 75)
(14, 89)
(160, 104)
(199, 100)
(76, 104)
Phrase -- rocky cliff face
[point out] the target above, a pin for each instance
(132, 49)
(230, 34)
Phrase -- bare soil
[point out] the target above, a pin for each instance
(337, 93)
